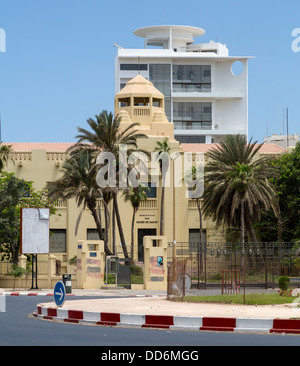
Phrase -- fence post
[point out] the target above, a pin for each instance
(51, 268)
(174, 260)
(155, 262)
(266, 265)
(22, 261)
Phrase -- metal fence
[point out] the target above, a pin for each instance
(261, 263)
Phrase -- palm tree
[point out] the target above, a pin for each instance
(5, 151)
(163, 149)
(135, 195)
(237, 185)
(79, 181)
(106, 136)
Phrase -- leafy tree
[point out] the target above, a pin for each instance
(14, 194)
(16, 272)
(286, 227)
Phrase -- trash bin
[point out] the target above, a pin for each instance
(67, 280)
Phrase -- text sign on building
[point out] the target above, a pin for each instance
(34, 231)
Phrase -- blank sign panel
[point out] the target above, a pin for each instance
(34, 230)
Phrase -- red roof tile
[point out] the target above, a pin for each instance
(48, 146)
(63, 146)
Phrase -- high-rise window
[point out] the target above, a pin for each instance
(160, 76)
(184, 139)
(142, 67)
(191, 78)
(192, 115)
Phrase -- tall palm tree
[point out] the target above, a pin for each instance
(163, 149)
(135, 195)
(106, 136)
(79, 181)
(237, 185)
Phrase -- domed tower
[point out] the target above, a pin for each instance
(139, 101)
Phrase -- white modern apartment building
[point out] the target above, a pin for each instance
(205, 97)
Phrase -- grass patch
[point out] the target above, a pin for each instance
(250, 299)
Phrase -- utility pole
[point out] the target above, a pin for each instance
(287, 127)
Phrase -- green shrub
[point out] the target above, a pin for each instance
(283, 283)
(16, 272)
(136, 270)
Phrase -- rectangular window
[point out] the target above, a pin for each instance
(160, 76)
(92, 234)
(191, 78)
(194, 239)
(190, 139)
(152, 189)
(192, 115)
(58, 241)
(134, 67)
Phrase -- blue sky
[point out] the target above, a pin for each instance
(58, 68)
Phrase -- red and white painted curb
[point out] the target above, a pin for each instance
(29, 293)
(170, 322)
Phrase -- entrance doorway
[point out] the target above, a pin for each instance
(141, 234)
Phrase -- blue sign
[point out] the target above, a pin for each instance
(59, 293)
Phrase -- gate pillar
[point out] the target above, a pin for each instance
(90, 264)
(155, 262)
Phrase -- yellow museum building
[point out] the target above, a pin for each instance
(139, 101)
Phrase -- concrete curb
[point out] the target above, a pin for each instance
(287, 326)
(28, 293)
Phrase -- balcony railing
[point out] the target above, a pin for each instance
(149, 203)
(60, 203)
(191, 88)
(141, 111)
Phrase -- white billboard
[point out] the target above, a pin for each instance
(34, 230)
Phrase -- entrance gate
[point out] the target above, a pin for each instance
(263, 263)
(141, 234)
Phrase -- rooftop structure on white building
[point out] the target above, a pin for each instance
(284, 141)
(205, 89)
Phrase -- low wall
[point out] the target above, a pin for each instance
(47, 273)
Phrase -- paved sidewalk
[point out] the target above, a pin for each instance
(152, 309)
(157, 304)
(141, 308)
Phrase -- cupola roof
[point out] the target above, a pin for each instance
(140, 86)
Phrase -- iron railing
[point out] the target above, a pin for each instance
(261, 263)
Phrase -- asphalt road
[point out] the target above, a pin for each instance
(19, 328)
